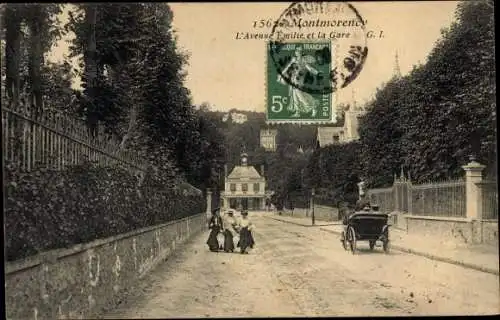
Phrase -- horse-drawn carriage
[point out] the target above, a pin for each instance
(367, 225)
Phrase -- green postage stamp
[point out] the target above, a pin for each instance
(299, 86)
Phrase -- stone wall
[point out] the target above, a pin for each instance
(321, 213)
(82, 281)
(490, 232)
(452, 230)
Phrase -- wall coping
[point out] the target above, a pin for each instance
(52, 256)
(323, 205)
(490, 220)
(437, 218)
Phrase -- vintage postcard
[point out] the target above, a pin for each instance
(249, 159)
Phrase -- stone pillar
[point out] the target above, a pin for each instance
(473, 196)
(361, 189)
(209, 204)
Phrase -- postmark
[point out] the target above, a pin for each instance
(316, 48)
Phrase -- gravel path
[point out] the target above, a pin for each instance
(298, 271)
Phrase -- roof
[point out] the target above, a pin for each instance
(325, 135)
(244, 172)
(268, 132)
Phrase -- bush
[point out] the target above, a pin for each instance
(47, 209)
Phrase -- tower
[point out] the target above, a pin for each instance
(244, 159)
(351, 121)
(268, 139)
(397, 70)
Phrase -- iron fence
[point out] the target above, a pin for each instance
(55, 140)
(489, 194)
(444, 199)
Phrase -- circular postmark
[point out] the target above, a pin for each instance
(318, 47)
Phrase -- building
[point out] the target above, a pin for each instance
(268, 139)
(347, 133)
(244, 187)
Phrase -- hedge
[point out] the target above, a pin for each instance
(47, 209)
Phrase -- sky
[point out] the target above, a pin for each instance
(229, 73)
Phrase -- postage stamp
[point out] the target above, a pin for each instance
(303, 65)
(316, 48)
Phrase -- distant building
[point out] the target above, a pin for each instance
(244, 187)
(347, 133)
(235, 117)
(329, 135)
(268, 139)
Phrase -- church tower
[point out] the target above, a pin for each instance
(397, 69)
(351, 122)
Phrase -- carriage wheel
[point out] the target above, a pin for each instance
(386, 246)
(386, 241)
(372, 244)
(352, 239)
(343, 241)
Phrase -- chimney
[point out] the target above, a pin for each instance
(262, 170)
(225, 171)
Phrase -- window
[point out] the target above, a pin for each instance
(232, 187)
(244, 187)
(256, 187)
(336, 138)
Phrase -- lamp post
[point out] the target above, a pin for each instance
(312, 206)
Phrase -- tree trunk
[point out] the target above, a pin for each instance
(91, 68)
(12, 53)
(36, 56)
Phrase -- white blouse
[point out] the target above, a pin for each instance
(245, 222)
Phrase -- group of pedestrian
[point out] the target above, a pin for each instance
(224, 231)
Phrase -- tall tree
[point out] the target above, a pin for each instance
(12, 20)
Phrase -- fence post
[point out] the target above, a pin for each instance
(395, 194)
(473, 200)
(209, 204)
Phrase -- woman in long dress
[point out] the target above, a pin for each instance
(215, 225)
(230, 230)
(246, 238)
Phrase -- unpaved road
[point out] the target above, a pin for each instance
(300, 271)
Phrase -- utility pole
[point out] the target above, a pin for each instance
(312, 206)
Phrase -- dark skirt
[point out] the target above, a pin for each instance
(228, 241)
(212, 242)
(246, 239)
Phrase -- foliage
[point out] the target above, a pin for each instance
(49, 209)
(334, 172)
(56, 86)
(380, 135)
(29, 30)
(140, 95)
(430, 121)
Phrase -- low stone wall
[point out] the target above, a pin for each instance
(490, 232)
(321, 213)
(82, 281)
(456, 230)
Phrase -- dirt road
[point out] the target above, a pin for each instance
(299, 271)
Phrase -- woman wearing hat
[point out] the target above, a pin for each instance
(246, 238)
(230, 230)
(216, 226)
